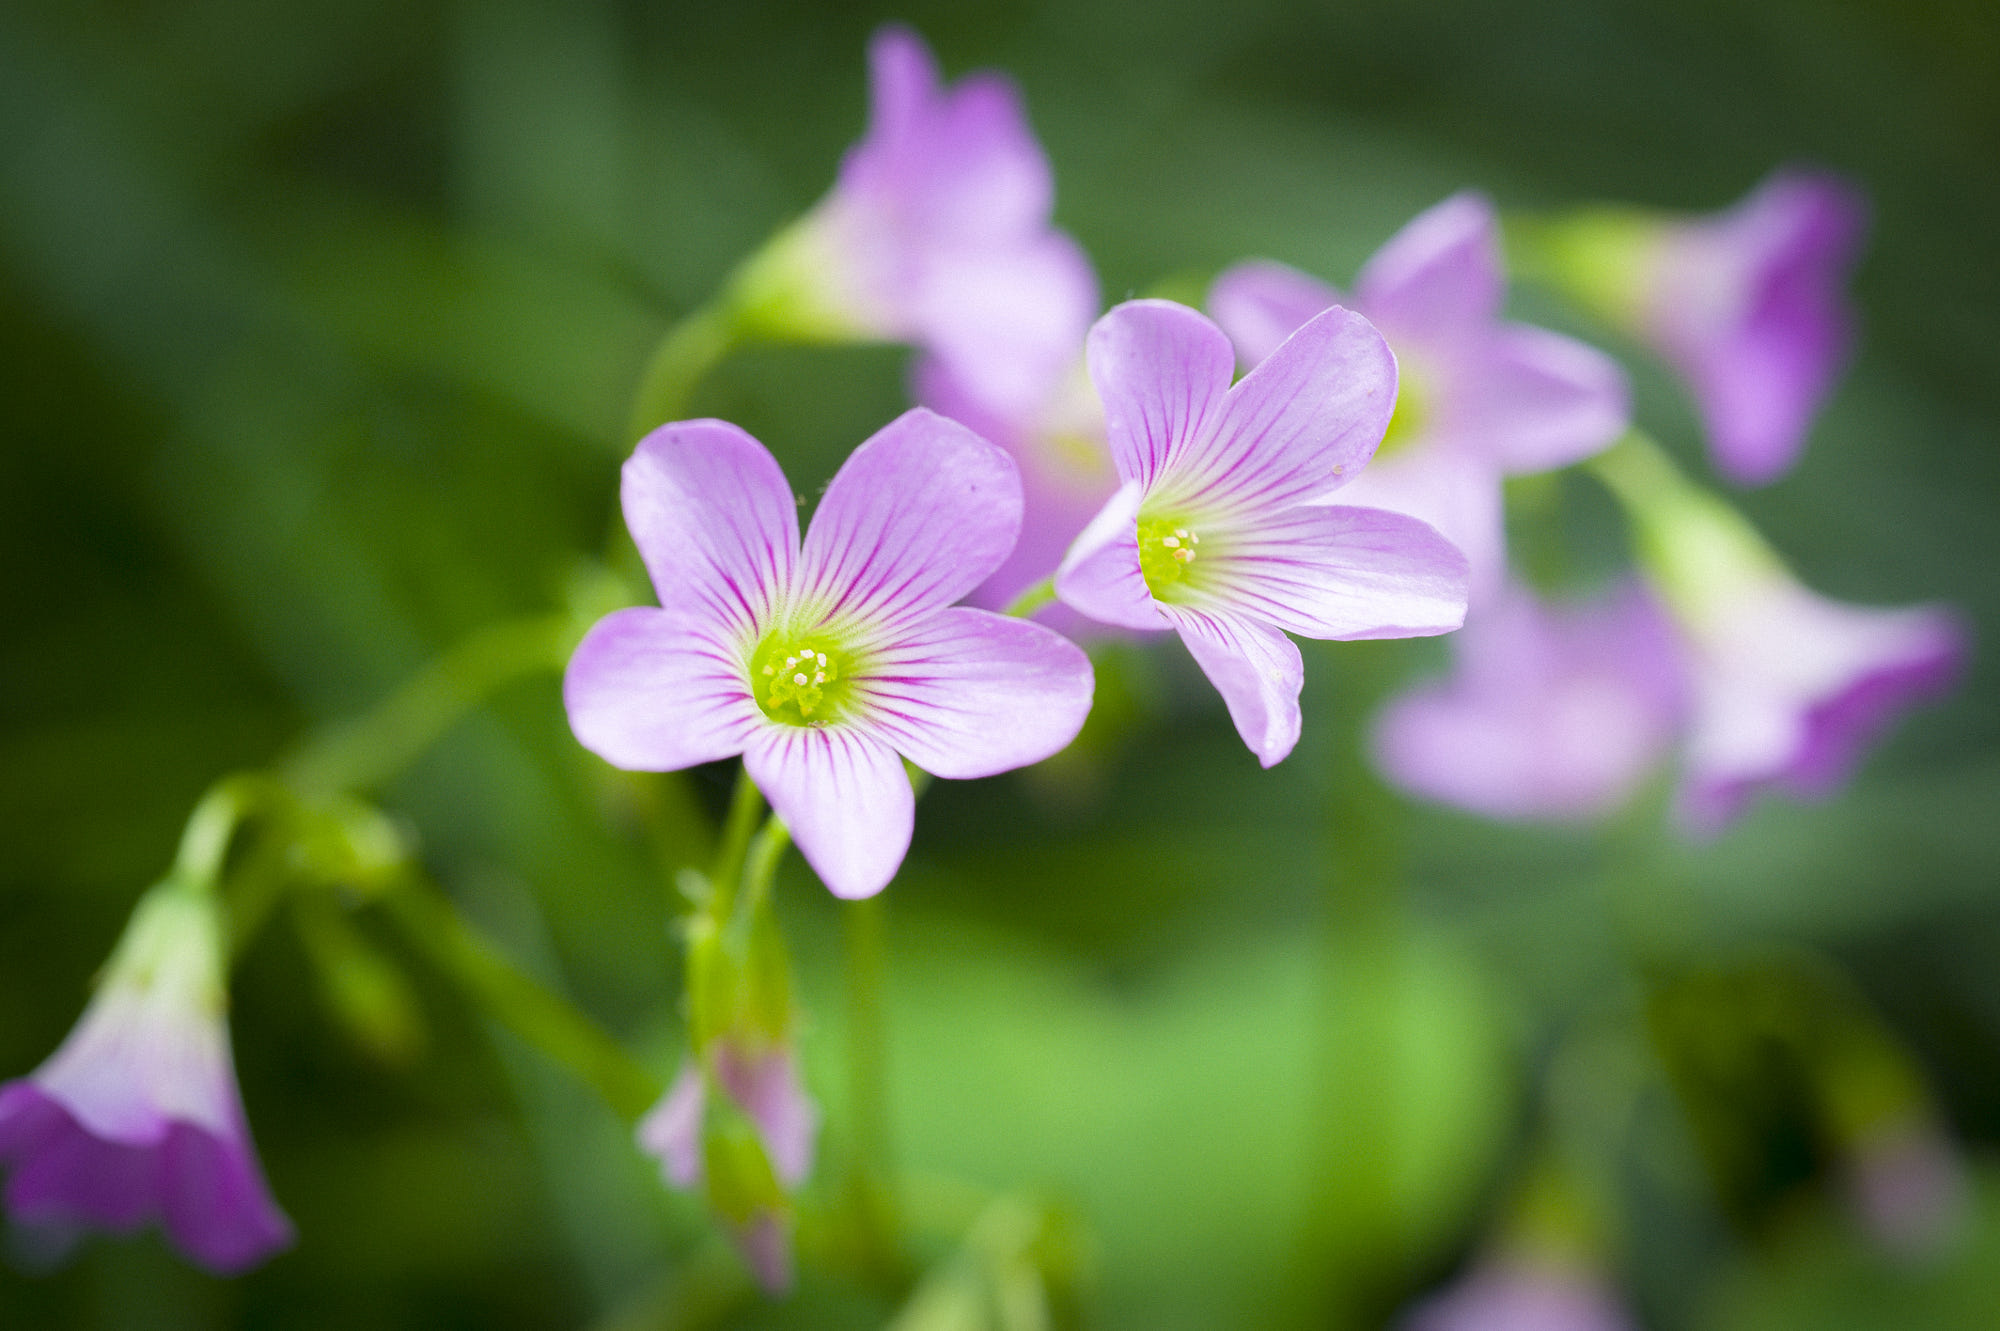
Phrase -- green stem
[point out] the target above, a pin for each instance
(875, 1212)
(761, 868)
(689, 351)
(1032, 598)
(363, 751)
(211, 828)
(522, 1004)
(745, 803)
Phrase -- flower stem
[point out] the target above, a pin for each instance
(517, 1001)
(1032, 598)
(870, 1168)
(689, 351)
(363, 751)
(726, 875)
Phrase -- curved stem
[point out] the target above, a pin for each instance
(1032, 598)
(689, 351)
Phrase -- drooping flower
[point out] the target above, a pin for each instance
(1522, 1294)
(1748, 305)
(1788, 687)
(137, 1117)
(821, 664)
(762, 1084)
(1553, 712)
(936, 233)
(1221, 529)
(1478, 399)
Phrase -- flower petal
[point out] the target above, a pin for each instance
(845, 797)
(1303, 422)
(1260, 304)
(1440, 274)
(1100, 576)
(671, 1130)
(972, 693)
(1007, 324)
(1162, 371)
(714, 520)
(647, 692)
(917, 517)
(1455, 490)
(766, 1086)
(1340, 572)
(214, 1202)
(1255, 668)
(1548, 400)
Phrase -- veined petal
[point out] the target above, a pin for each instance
(1101, 577)
(714, 520)
(647, 692)
(1549, 400)
(1307, 418)
(1255, 668)
(1261, 303)
(1448, 486)
(917, 517)
(1341, 572)
(1162, 371)
(1439, 274)
(970, 693)
(844, 795)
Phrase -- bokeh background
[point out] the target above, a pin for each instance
(318, 327)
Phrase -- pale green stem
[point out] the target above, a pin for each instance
(691, 348)
(726, 875)
(521, 1003)
(1032, 599)
(760, 869)
(876, 1222)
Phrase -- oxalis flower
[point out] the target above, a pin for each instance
(1220, 529)
(1478, 399)
(820, 664)
(137, 1117)
(936, 233)
(1523, 1294)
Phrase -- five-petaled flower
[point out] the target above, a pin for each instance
(1478, 399)
(137, 1116)
(820, 664)
(1222, 529)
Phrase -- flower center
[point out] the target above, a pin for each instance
(1412, 413)
(1167, 548)
(799, 681)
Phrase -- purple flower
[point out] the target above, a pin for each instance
(1522, 1295)
(821, 664)
(137, 1116)
(1478, 399)
(1553, 712)
(1748, 305)
(1219, 529)
(1908, 1186)
(936, 233)
(763, 1084)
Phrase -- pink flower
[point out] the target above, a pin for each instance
(1553, 712)
(1219, 529)
(137, 1117)
(1522, 1295)
(1478, 400)
(936, 233)
(821, 664)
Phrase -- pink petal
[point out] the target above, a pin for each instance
(1455, 490)
(1303, 422)
(1441, 273)
(766, 1086)
(1255, 668)
(972, 693)
(1162, 371)
(1100, 576)
(845, 797)
(1008, 324)
(1260, 304)
(647, 692)
(1548, 400)
(917, 517)
(671, 1130)
(714, 520)
(1339, 572)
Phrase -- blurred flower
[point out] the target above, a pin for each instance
(1217, 530)
(137, 1116)
(1553, 712)
(1522, 1294)
(1907, 1185)
(821, 665)
(1477, 400)
(1748, 305)
(762, 1083)
(1788, 687)
(936, 233)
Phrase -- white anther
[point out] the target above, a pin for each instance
(819, 676)
(1171, 542)
(822, 660)
(799, 679)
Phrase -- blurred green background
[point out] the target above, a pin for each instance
(318, 325)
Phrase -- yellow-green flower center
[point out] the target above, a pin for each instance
(801, 681)
(1168, 548)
